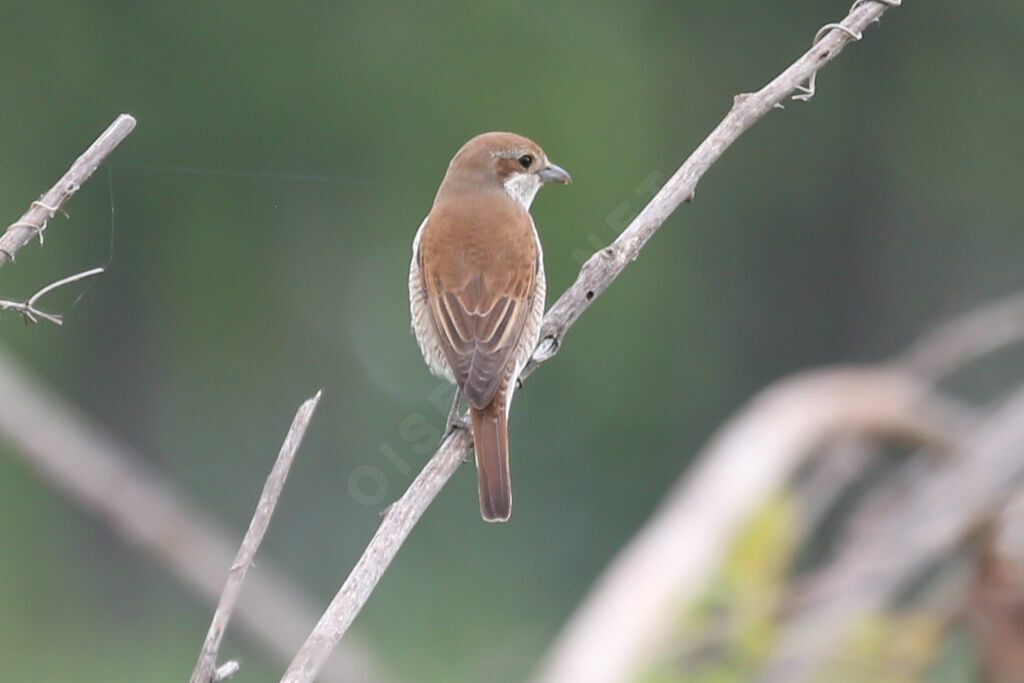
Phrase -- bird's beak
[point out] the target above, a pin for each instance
(554, 174)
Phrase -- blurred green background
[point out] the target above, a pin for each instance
(260, 220)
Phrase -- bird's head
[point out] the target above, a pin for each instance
(507, 161)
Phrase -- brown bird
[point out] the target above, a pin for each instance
(476, 291)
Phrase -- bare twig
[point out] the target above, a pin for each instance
(107, 479)
(921, 525)
(206, 670)
(28, 308)
(632, 607)
(33, 222)
(599, 271)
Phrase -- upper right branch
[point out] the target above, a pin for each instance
(603, 267)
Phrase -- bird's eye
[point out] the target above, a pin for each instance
(525, 160)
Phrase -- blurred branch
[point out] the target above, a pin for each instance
(103, 476)
(827, 478)
(206, 670)
(28, 308)
(934, 356)
(967, 337)
(599, 271)
(920, 524)
(952, 345)
(995, 600)
(943, 351)
(635, 603)
(33, 221)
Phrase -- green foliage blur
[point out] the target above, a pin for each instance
(258, 225)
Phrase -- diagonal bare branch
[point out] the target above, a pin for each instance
(602, 268)
(206, 670)
(33, 221)
(595, 276)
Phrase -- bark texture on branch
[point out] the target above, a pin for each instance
(33, 222)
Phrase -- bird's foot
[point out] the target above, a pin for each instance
(455, 421)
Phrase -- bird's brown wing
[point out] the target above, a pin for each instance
(480, 330)
(480, 299)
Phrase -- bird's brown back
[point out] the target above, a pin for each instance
(479, 258)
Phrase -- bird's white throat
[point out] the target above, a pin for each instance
(523, 187)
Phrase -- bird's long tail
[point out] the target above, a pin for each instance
(490, 441)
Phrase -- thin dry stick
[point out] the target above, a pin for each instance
(33, 222)
(631, 610)
(106, 478)
(920, 527)
(595, 276)
(28, 308)
(206, 670)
